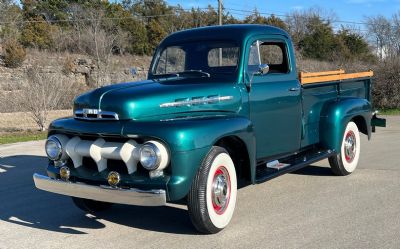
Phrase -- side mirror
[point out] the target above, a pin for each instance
(263, 69)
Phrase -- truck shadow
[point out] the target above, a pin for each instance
(22, 204)
(312, 170)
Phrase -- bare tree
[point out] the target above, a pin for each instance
(396, 32)
(42, 93)
(98, 37)
(381, 30)
(10, 18)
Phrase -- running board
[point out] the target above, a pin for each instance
(263, 173)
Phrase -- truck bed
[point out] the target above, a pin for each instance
(321, 87)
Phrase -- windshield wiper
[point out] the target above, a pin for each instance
(183, 74)
(193, 72)
(167, 75)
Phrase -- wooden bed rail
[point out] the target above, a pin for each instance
(337, 75)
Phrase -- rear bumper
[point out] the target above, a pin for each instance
(131, 196)
(377, 122)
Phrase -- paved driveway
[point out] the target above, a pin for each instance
(310, 208)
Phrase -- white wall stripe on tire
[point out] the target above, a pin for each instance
(223, 219)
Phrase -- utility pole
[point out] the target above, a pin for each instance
(220, 23)
(219, 12)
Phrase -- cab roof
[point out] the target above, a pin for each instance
(233, 32)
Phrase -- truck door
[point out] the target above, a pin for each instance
(274, 97)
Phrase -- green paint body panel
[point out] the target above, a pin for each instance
(336, 114)
(267, 117)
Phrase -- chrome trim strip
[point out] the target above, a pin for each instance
(205, 100)
(156, 197)
(99, 114)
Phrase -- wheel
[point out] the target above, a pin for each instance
(91, 206)
(212, 197)
(345, 162)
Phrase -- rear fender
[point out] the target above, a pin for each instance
(336, 114)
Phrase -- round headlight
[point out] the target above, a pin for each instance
(150, 156)
(53, 148)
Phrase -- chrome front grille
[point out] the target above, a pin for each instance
(101, 151)
(95, 114)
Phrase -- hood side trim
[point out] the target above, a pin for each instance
(197, 101)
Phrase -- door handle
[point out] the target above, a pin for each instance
(294, 89)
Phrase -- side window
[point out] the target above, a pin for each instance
(272, 53)
(172, 60)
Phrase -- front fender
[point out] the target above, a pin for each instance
(336, 114)
(189, 141)
(191, 133)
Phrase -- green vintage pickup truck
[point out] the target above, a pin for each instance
(222, 107)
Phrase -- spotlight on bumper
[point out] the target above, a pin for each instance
(65, 173)
(113, 178)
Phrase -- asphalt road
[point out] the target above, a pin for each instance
(310, 208)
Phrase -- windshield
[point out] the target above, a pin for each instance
(197, 59)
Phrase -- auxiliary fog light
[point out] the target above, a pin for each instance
(113, 178)
(65, 173)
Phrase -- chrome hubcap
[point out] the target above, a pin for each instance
(350, 146)
(221, 190)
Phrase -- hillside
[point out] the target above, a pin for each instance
(73, 69)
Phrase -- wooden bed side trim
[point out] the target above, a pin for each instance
(337, 77)
(323, 73)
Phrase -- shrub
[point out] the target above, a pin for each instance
(69, 65)
(37, 33)
(14, 54)
(386, 87)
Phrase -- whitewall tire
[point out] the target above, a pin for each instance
(212, 197)
(346, 161)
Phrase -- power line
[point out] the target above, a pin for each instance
(96, 19)
(288, 16)
(353, 29)
(177, 10)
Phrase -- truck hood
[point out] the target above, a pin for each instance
(176, 97)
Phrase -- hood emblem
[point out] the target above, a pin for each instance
(86, 111)
(95, 114)
(197, 101)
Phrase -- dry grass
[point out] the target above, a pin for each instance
(310, 65)
(22, 121)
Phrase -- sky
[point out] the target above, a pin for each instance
(346, 10)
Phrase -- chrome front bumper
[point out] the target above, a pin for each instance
(101, 193)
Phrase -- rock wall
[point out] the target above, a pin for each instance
(71, 67)
(79, 68)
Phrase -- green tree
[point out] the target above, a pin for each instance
(257, 18)
(320, 42)
(276, 21)
(155, 34)
(134, 26)
(355, 45)
(37, 33)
